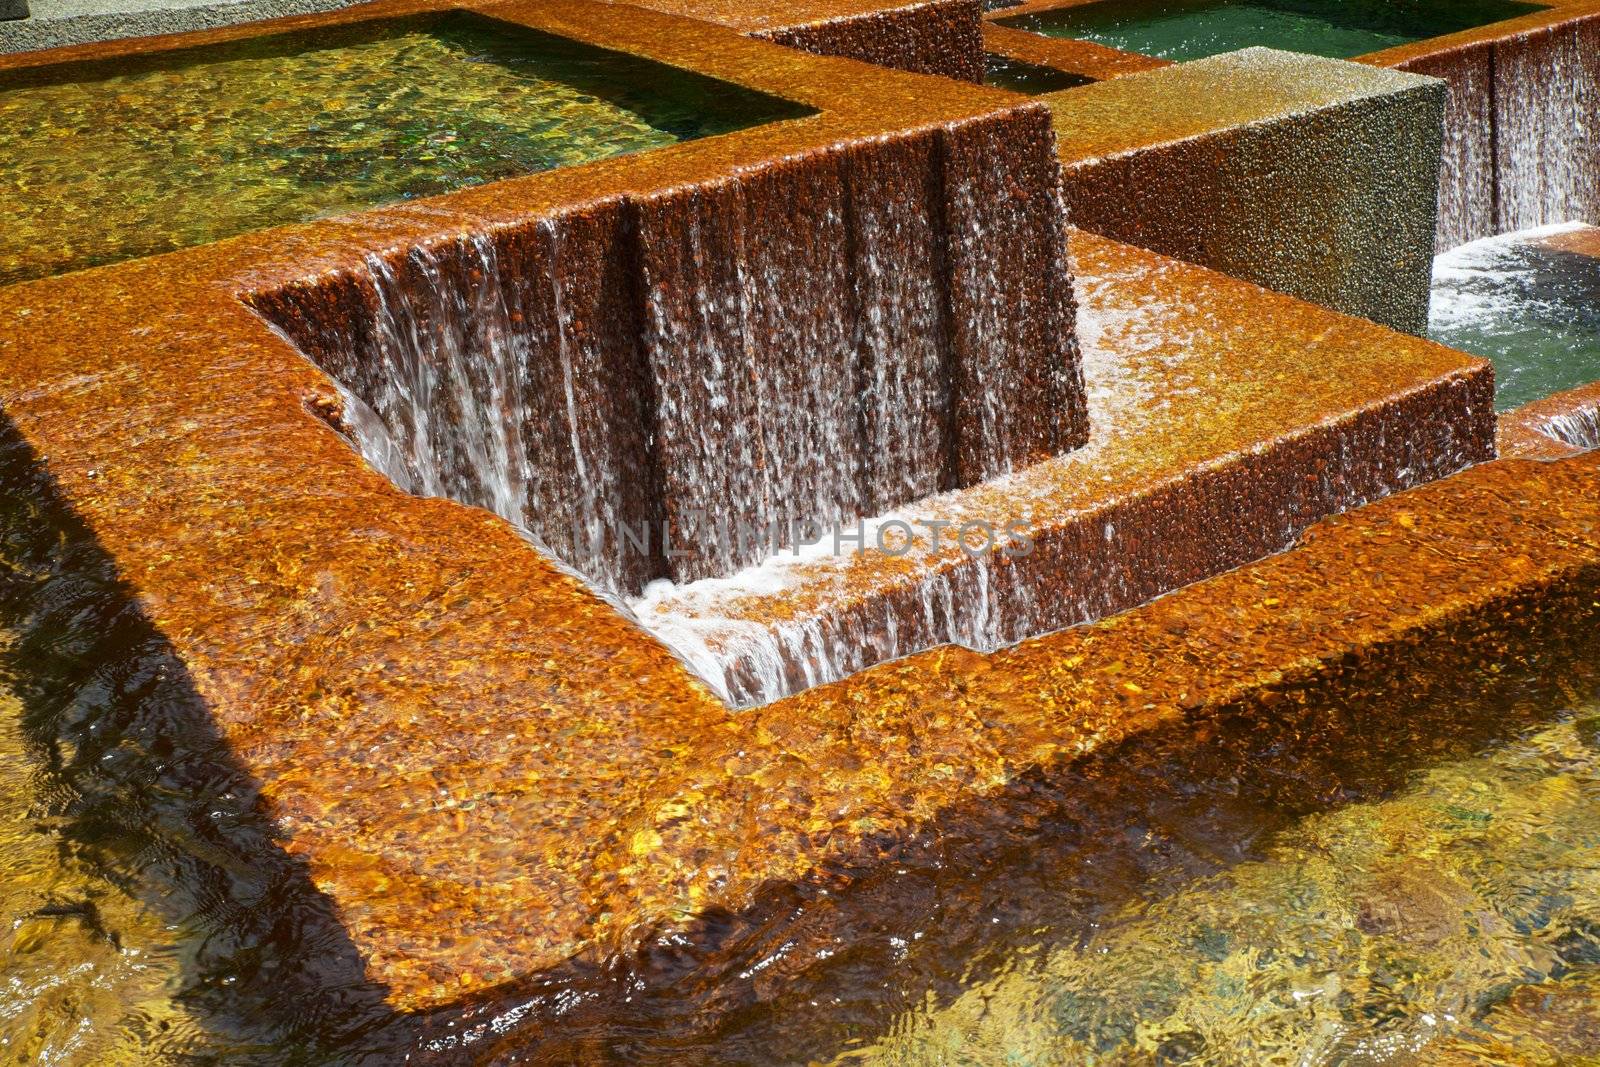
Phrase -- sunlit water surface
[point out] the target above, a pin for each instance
(1449, 912)
(1389, 932)
(1531, 309)
(114, 159)
(1193, 29)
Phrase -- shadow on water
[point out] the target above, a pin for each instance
(813, 971)
(137, 782)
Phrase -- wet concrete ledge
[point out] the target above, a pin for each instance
(1224, 420)
(58, 23)
(944, 754)
(941, 37)
(1256, 163)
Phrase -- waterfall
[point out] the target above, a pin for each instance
(442, 414)
(641, 382)
(669, 386)
(1547, 126)
(1522, 132)
(1580, 429)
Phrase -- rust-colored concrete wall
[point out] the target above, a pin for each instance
(1547, 126)
(942, 37)
(1467, 165)
(1309, 176)
(1226, 419)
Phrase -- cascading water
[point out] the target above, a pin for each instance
(1521, 133)
(435, 354)
(1547, 127)
(750, 661)
(672, 385)
(1580, 429)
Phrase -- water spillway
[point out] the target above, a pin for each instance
(1192, 468)
(668, 385)
(1520, 136)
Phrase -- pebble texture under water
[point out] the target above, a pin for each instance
(1376, 933)
(137, 157)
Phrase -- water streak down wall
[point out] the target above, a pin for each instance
(828, 335)
(1522, 131)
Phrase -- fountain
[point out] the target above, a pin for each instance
(691, 524)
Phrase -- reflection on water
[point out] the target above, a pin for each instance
(1533, 310)
(154, 917)
(106, 161)
(1191, 855)
(1366, 935)
(89, 973)
(1020, 76)
(1193, 29)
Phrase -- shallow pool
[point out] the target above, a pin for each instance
(1191, 29)
(1398, 929)
(113, 159)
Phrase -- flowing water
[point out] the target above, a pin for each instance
(1391, 877)
(1394, 931)
(668, 384)
(114, 159)
(1531, 309)
(1192, 29)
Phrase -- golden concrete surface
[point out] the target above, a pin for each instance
(441, 720)
(1207, 96)
(941, 37)
(1410, 588)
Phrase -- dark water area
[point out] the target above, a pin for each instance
(113, 159)
(1019, 76)
(1192, 29)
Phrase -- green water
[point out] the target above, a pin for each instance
(1003, 72)
(1533, 311)
(107, 161)
(1191, 29)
